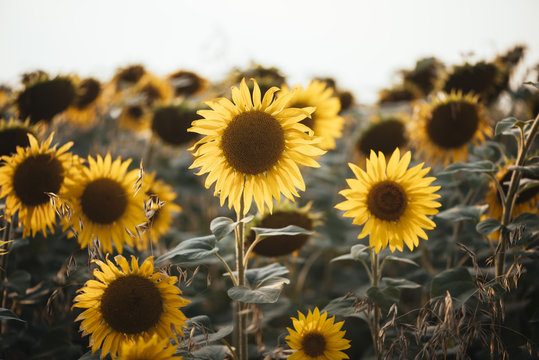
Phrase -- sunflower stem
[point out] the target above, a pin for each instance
(376, 322)
(240, 319)
(511, 198)
(3, 270)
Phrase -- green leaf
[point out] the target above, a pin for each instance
(189, 251)
(6, 314)
(488, 226)
(358, 252)
(536, 84)
(483, 166)
(222, 226)
(384, 298)
(400, 283)
(530, 170)
(462, 212)
(267, 293)
(343, 306)
(503, 126)
(529, 220)
(457, 281)
(255, 277)
(288, 230)
(400, 259)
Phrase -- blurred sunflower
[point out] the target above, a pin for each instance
(283, 215)
(325, 120)
(6, 95)
(317, 337)
(170, 124)
(156, 348)
(266, 77)
(128, 76)
(405, 92)
(426, 74)
(383, 134)
(153, 90)
(44, 99)
(105, 205)
(84, 109)
(187, 83)
(346, 98)
(391, 201)
(15, 133)
(443, 130)
(160, 208)
(136, 117)
(28, 176)
(126, 303)
(252, 147)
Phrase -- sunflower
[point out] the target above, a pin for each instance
(284, 215)
(43, 100)
(84, 110)
(266, 77)
(122, 83)
(383, 134)
(400, 93)
(29, 175)
(136, 117)
(160, 209)
(104, 203)
(391, 201)
(153, 90)
(252, 147)
(325, 120)
(187, 83)
(317, 337)
(170, 124)
(5, 96)
(443, 130)
(426, 74)
(15, 133)
(155, 349)
(125, 303)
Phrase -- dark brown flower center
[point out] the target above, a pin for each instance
(11, 138)
(387, 200)
(44, 100)
(131, 74)
(185, 83)
(36, 176)
(483, 79)
(88, 91)
(131, 305)
(313, 344)
(135, 112)
(384, 137)
(171, 123)
(453, 124)
(151, 94)
(275, 246)
(253, 142)
(309, 122)
(104, 201)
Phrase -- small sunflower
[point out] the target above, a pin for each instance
(187, 83)
(136, 117)
(317, 337)
(43, 100)
(104, 203)
(253, 147)
(29, 175)
(160, 209)
(284, 215)
(155, 348)
(124, 304)
(153, 90)
(383, 134)
(443, 130)
(84, 109)
(391, 201)
(325, 120)
(426, 74)
(128, 76)
(15, 133)
(266, 77)
(405, 92)
(170, 124)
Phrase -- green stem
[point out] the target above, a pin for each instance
(3, 271)
(240, 318)
(376, 322)
(511, 197)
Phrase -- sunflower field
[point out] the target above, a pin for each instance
(181, 217)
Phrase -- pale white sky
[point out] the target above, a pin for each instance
(360, 43)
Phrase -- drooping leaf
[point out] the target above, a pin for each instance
(264, 285)
(400, 283)
(288, 230)
(457, 281)
(358, 252)
(529, 170)
(190, 251)
(483, 166)
(6, 314)
(463, 212)
(506, 124)
(529, 220)
(343, 306)
(222, 226)
(488, 226)
(400, 259)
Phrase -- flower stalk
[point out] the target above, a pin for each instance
(375, 271)
(240, 316)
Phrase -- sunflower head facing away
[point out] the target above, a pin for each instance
(29, 175)
(316, 337)
(383, 134)
(391, 201)
(15, 133)
(170, 124)
(125, 303)
(153, 90)
(425, 75)
(105, 205)
(136, 117)
(443, 130)
(325, 120)
(43, 100)
(405, 92)
(253, 146)
(284, 215)
(156, 348)
(83, 110)
(187, 83)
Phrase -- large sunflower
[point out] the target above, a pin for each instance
(155, 348)
(325, 120)
(104, 203)
(15, 133)
(253, 146)
(160, 209)
(391, 201)
(125, 303)
(29, 175)
(443, 130)
(317, 337)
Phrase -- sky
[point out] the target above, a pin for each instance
(362, 44)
